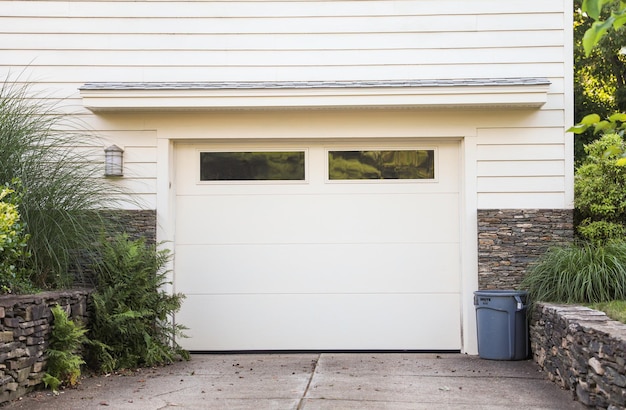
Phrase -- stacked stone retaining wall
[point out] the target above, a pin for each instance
(510, 240)
(25, 327)
(582, 350)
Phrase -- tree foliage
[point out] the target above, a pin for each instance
(600, 197)
(600, 71)
(603, 23)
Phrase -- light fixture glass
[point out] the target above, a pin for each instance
(113, 161)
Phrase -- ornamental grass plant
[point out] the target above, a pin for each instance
(582, 272)
(52, 156)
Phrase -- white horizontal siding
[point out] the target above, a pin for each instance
(516, 152)
(297, 24)
(452, 40)
(279, 8)
(549, 168)
(523, 200)
(521, 167)
(60, 45)
(244, 58)
(74, 76)
(266, 40)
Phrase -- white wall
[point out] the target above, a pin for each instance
(524, 159)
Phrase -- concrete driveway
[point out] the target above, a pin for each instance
(317, 381)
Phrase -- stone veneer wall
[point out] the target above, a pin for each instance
(136, 223)
(583, 351)
(25, 327)
(509, 240)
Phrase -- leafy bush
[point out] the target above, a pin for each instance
(579, 273)
(62, 188)
(13, 240)
(64, 360)
(130, 312)
(600, 197)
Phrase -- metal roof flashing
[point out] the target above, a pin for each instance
(450, 93)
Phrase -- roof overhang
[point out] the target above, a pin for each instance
(462, 93)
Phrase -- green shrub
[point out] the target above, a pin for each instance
(600, 197)
(64, 360)
(579, 273)
(130, 312)
(13, 241)
(62, 187)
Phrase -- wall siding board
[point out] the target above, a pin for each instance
(83, 74)
(290, 41)
(262, 8)
(495, 136)
(520, 184)
(549, 168)
(255, 58)
(515, 152)
(521, 200)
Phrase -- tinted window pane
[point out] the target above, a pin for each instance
(251, 166)
(400, 164)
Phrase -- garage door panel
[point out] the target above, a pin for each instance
(317, 322)
(317, 268)
(318, 264)
(316, 219)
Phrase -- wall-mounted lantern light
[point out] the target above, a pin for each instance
(113, 161)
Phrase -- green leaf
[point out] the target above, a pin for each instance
(618, 116)
(601, 126)
(621, 162)
(620, 18)
(595, 33)
(593, 8)
(578, 128)
(611, 151)
(590, 119)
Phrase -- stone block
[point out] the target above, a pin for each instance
(11, 386)
(38, 311)
(6, 336)
(22, 374)
(22, 363)
(33, 341)
(11, 322)
(596, 366)
(25, 331)
(39, 366)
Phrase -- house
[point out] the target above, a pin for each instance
(329, 174)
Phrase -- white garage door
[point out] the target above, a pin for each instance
(313, 246)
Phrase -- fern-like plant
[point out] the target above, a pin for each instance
(131, 314)
(64, 359)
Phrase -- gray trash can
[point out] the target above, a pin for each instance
(502, 324)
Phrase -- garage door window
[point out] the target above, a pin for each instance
(381, 164)
(252, 166)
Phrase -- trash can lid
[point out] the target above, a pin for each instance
(496, 293)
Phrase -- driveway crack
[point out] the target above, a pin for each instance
(308, 385)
